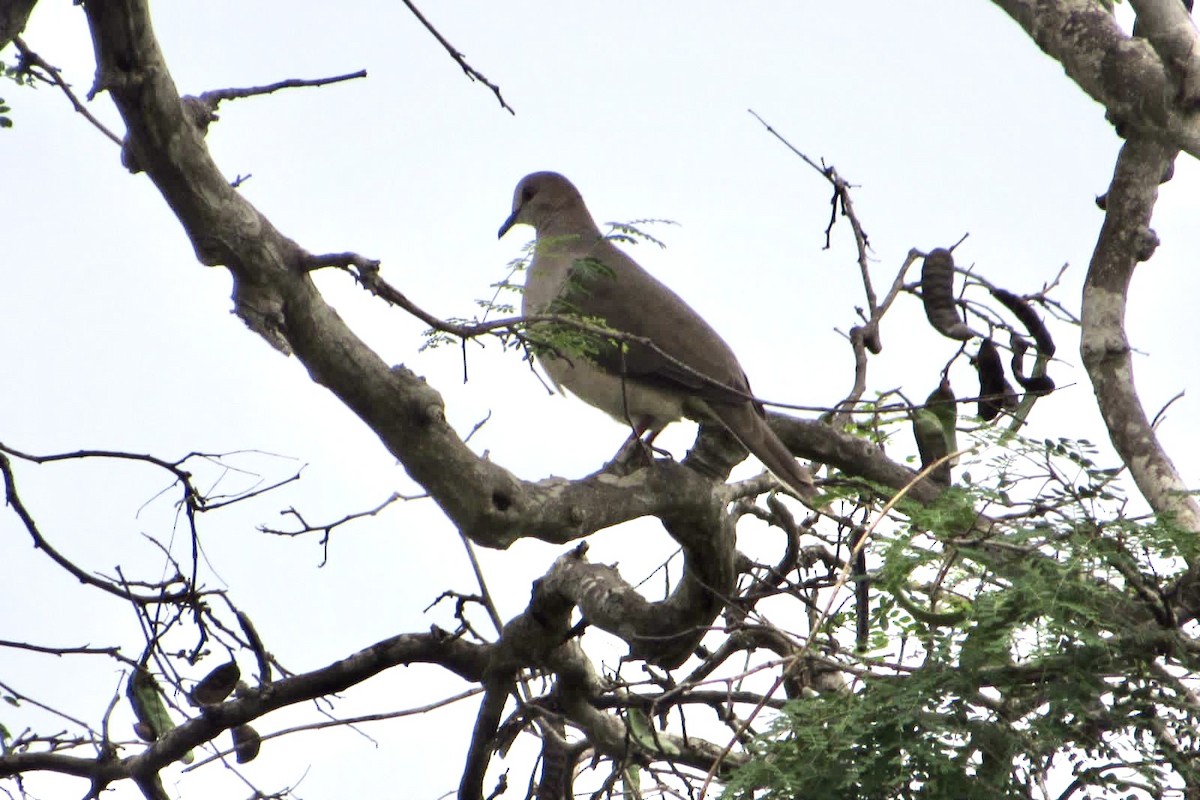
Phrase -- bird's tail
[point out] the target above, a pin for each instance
(751, 429)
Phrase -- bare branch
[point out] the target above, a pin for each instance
(215, 96)
(61, 651)
(1125, 74)
(39, 541)
(348, 721)
(31, 59)
(463, 658)
(1123, 243)
(1169, 28)
(470, 71)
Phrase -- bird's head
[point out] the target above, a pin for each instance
(540, 198)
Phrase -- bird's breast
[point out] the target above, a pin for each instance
(623, 399)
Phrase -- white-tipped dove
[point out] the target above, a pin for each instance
(575, 270)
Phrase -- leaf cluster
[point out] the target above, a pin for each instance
(1034, 643)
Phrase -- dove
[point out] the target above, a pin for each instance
(689, 371)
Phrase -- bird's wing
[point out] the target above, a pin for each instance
(605, 283)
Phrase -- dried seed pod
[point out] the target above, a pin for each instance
(216, 685)
(1034, 384)
(246, 743)
(937, 294)
(1029, 318)
(995, 392)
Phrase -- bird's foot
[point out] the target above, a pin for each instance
(635, 453)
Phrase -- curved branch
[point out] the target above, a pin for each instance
(1168, 26)
(1125, 239)
(12, 499)
(664, 632)
(609, 734)
(276, 298)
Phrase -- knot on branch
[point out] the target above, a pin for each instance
(261, 308)
(1136, 86)
(199, 113)
(1145, 242)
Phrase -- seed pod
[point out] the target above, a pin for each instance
(216, 685)
(995, 392)
(1034, 384)
(931, 443)
(148, 706)
(934, 428)
(1029, 318)
(937, 294)
(153, 719)
(942, 403)
(246, 743)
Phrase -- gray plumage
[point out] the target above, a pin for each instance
(575, 270)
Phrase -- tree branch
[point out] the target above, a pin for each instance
(463, 658)
(1126, 75)
(1126, 239)
(1169, 28)
(31, 59)
(470, 71)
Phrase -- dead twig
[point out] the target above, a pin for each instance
(470, 71)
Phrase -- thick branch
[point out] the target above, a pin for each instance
(664, 632)
(1168, 26)
(1126, 75)
(274, 295)
(1124, 240)
(465, 659)
(608, 733)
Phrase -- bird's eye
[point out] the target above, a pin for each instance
(527, 194)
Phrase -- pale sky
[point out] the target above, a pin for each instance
(945, 115)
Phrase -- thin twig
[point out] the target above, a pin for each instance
(31, 59)
(215, 96)
(14, 501)
(470, 71)
(827, 612)
(62, 651)
(1162, 411)
(349, 721)
(486, 599)
(867, 336)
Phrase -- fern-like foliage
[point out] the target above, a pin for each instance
(1025, 647)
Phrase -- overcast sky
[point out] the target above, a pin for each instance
(945, 115)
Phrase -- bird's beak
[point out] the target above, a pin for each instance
(508, 223)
